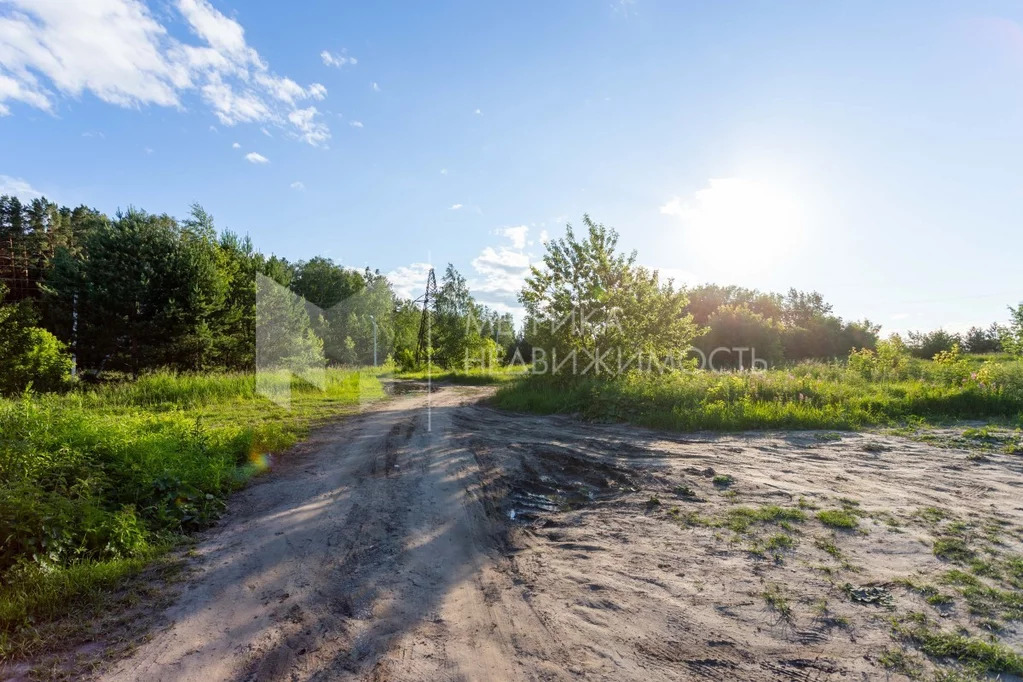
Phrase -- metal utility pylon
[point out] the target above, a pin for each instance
(429, 300)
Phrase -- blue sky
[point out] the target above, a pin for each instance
(871, 151)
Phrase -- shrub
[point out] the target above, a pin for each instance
(887, 362)
(29, 355)
(951, 366)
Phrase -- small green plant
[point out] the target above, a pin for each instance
(838, 518)
(723, 480)
(933, 514)
(982, 654)
(779, 542)
(684, 491)
(740, 519)
(828, 545)
(899, 661)
(952, 549)
(777, 602)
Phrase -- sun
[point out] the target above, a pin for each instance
(737, 226)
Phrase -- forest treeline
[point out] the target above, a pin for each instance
(139, 291)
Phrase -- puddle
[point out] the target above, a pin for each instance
(556, 479)
(407, 387)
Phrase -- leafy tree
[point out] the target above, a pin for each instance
(590, 299)
(737, 326)
(705, 299)
(29, 355)
(978, 340)
(928, 344)
(284, 337)
(1012, 335)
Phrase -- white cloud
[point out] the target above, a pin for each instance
(356, 124)
(299, 185)
(499, 272)
(443, 171)
(455, 207)
(147, 150)
(236, 146)
(478, 112)
(318, 91)
(18, 188)
(310, 129)
(375, 86)
(253, 157)
(409, 281)
(516, 234)
(93, 133)
(120, 52)
(338, 60)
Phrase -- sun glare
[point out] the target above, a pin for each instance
(735, 226)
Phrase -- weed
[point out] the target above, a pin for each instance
(970, 651)
(684, 491)
(779, 542)
(933, 514)
(723, 480)
(740, 519)
(899, 661)
(838, 518)
(952, 549)
(777, 602)
(957, 577)
(828, 546)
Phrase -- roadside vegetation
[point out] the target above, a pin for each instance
(96, 483)
(788, 362)
(809, 395)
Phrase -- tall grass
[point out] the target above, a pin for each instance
(94, 483)
(808, 396)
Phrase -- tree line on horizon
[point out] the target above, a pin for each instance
(140, 291)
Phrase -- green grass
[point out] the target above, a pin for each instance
(838, 518)
(973, 652)
(740, 519)
(95, 483)
(952, 549)
(476, 376)
(809, 395)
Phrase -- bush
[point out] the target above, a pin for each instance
(29, 356)
(888, 362)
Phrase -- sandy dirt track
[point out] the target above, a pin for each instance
(497, 546)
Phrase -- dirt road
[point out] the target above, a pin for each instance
(492, 546)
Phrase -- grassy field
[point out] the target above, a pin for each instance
(805, 396)
(474, 377)
(96, 483)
